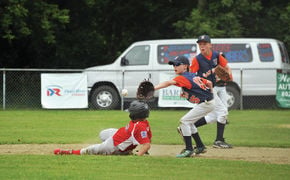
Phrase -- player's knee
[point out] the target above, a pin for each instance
(222, 119)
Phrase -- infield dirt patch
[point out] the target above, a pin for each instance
(256, 154)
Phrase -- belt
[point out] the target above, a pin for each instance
(220, 83)
(209, 99)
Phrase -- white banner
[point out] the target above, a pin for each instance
(170, 96)
(64, 90)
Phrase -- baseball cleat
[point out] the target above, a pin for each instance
(62, 152)
(56, 151)
(221, 144)
(182, 151)
(199, 150)
(184, 154)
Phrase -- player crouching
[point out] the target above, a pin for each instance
(136, 132)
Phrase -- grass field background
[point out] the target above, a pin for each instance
(255, 128)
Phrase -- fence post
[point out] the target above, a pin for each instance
(241, 93)
(122, 97)
(4, 90)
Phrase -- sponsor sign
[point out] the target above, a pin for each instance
(283, 90)
(170, 96)
(64, 91)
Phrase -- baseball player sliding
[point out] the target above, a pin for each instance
(125, 139)
(196, 90)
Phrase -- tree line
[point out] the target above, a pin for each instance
(84, 33)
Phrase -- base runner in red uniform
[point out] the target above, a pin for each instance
(136, 132)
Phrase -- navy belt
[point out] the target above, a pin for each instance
(220, 85)
(209, 99)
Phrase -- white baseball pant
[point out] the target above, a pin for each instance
(222, 93)
(200, 110)
(106, 133)
(220, 111)
(105, 148)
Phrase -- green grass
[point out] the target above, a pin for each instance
(132, 167)
(269, 128)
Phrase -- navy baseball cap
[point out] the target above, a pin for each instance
(204, 38)
(179, 60)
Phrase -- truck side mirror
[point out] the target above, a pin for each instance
(124, 61)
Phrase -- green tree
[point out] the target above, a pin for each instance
(28, 30)
(238, 18)
(100, 30)
(285, 20)
(275, 21)
(97, 32)
(79, 34)
(224, 18)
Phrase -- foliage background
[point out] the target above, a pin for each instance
(83, 33)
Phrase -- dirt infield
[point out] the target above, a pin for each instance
(265, 155)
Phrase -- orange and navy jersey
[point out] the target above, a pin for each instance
(204, 64)
(194, 87)
(194, 67)
(133, 134)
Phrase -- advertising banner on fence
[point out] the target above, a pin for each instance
(170, 96)
(64, 91)
(283, 90)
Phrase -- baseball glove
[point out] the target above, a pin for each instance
(145, 90)
(222, 73)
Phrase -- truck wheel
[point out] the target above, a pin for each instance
(105, 97)
(233, 97)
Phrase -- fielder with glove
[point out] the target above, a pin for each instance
(196, 90)
(213, 66)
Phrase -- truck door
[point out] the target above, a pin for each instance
(136, 66)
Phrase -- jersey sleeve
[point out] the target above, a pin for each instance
(194, 67)
(181, 81)
(222, 61)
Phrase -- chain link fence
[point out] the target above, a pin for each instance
(21, 89)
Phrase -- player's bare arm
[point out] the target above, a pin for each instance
(144, 148)
(164, 84)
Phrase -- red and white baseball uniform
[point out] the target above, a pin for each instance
(126, 138)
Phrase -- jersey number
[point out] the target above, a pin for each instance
(198, 81)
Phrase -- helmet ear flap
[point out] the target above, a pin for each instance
(131, 116)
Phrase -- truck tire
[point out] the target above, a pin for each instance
(233, 97)
(105, 97)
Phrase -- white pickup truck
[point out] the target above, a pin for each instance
(254, 62)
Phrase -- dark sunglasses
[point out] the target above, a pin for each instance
(177, 64)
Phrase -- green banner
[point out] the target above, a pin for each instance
(283, 90)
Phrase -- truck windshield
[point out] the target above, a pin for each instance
(138, 55)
